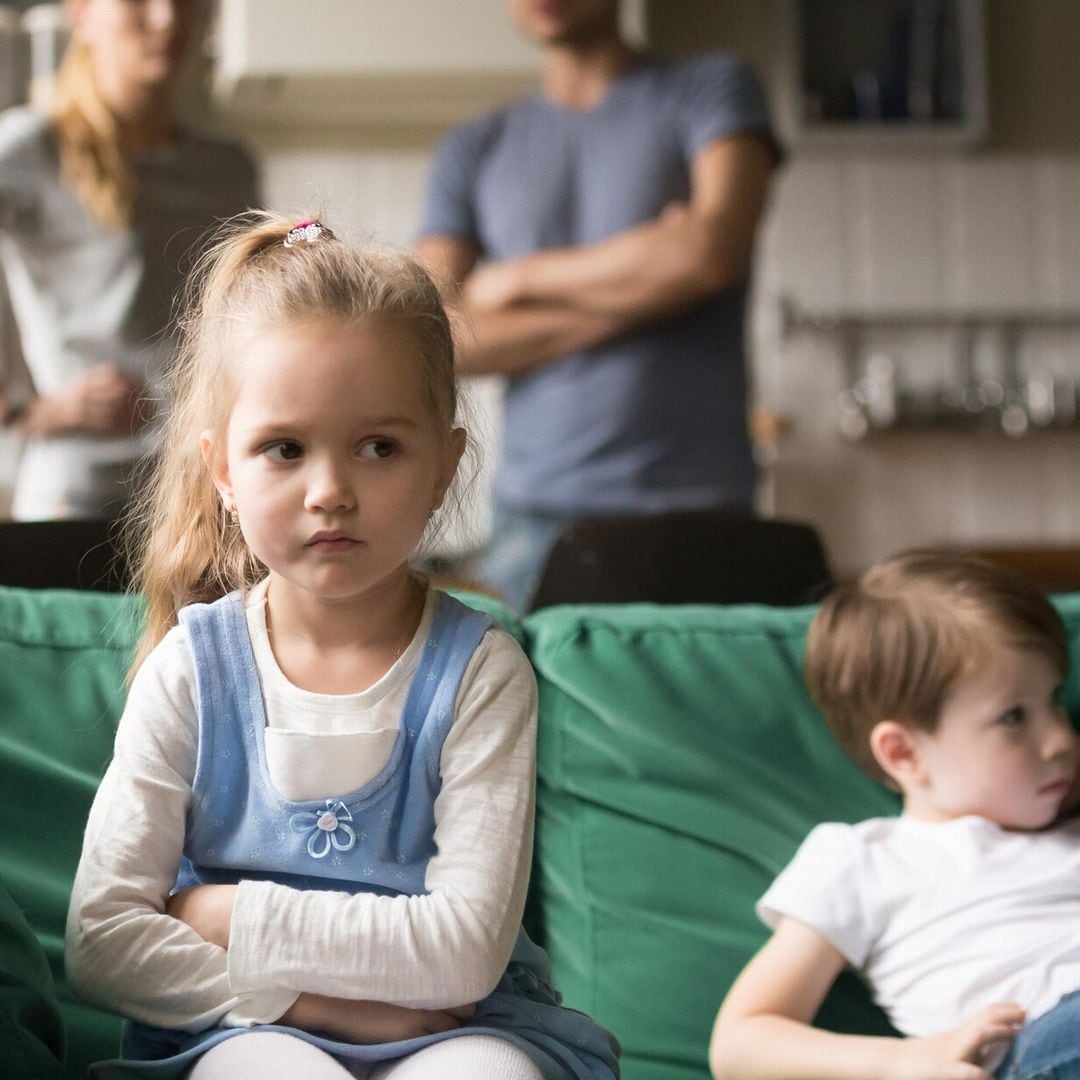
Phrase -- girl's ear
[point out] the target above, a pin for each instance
(895, 749)
(455, 446)
(218, 467)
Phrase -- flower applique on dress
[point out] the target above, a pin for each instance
(328, 829)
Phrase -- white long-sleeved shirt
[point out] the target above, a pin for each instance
(436, 950)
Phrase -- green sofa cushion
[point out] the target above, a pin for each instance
(681, 763)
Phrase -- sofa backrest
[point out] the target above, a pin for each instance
(680, 765)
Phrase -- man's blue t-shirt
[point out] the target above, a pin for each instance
(656, 419)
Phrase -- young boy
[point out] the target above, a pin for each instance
(939, 676)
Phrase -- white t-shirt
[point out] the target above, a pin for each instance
(445, 948)
(941, 918)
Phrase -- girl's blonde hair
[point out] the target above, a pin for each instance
(181, 543)
(88, 137)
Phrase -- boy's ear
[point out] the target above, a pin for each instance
(218, 467)
(895, 750)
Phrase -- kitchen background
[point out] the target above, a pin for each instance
(918, 283)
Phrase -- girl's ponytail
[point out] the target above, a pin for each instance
(180, 542)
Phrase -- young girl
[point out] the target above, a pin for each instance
(310, 852)
(939, 675)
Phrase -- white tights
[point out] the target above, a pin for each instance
(271, 1055)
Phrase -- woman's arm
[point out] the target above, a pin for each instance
(450, 946)
(123, 952)
(763, 1029)
(103, 401)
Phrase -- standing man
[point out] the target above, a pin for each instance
(602, 230)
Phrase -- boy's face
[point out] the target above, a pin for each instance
(1003, 749)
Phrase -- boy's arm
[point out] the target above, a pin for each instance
(763, 1029)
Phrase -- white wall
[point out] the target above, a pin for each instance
(932, 233)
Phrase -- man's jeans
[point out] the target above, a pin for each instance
(513, 558)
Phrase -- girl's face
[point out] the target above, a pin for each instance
(142, 42)
(333, 457)
(1003, 748)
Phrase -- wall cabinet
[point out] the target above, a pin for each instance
(885, 73)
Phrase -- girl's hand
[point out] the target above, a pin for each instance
(958, 1054)
(370, 1021)
(207, 909)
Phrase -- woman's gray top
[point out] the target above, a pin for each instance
(82, 294)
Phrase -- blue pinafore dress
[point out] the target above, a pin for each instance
(377, 839)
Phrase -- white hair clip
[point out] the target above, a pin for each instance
(309, 231)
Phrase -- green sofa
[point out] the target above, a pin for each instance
(680, 765)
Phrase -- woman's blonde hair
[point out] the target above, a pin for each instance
(892, 644)
(92, 162)
(181, 543)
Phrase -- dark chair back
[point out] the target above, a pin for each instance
(688, 557)
(61, 555)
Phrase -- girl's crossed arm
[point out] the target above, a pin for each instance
(763, 1029)
(434, 951)
(123, 952)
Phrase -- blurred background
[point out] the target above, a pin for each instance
(916, 321)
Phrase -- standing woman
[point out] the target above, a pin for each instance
(99, 202)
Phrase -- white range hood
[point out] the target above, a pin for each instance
(395, 63)
(378, 63)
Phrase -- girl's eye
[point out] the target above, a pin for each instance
(378, 448)
(1013, 718)
(284, 451)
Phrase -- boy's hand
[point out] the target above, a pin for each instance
(958, 1054)
(370, 1021)
(207, 909)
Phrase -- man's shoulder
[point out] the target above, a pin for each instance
(718, 70)
(481, 130)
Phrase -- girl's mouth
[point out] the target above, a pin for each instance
(332, 541)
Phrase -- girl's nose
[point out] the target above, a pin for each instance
(329, 489)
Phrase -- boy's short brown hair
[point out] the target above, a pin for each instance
(893, 643)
